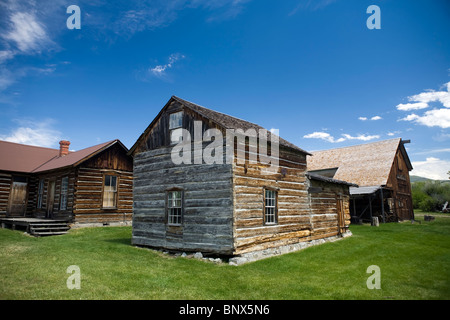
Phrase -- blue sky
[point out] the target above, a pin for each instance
(312, 69)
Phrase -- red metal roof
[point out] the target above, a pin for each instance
(24, 158)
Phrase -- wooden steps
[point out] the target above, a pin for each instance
(50, 228)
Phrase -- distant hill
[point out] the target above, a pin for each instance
(418, 179)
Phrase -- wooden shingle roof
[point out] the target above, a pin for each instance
(365, 165)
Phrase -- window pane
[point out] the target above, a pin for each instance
(174, 205)
(107, 180)
(270, 206)
(110, 192)
(176, 120)
(113, 183)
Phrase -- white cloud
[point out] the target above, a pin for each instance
(432, 96)
(438, 117)
(324, 136)
(374, 118)
(431, 118)
(432, 168)
(160, 70)
(327, 137)
(393, 133)
(34, 133)
(412, 106)
(27, 33)
(6, 55)
(361, 137)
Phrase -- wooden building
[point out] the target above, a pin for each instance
(93, 185)
(225, 207)
(380, 169)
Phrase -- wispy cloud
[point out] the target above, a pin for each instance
(136, 16)
(391, 134)
(361, 137)
(32, 132)
(311, 5)
(437, 117)
(329, 138)
(23, 33)
(374, 118)
(27, 33)
(160, 70)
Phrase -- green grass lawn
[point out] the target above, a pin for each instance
(414, 261)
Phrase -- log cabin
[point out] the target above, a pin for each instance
(90, 186)
(233, 205)
(380, 169)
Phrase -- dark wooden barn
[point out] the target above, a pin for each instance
(89, 186)
(227, 207)
(380, 169)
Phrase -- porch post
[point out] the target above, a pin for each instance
(382, 204)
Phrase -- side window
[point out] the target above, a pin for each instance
(110, 192)
(270, 207)
(64, 191)
(174, 207)
(175, 126)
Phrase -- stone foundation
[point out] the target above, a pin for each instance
(77, 225)
(267, 253)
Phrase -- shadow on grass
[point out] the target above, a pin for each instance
(120, 241)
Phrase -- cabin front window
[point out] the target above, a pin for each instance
(175, 127)
(110, 192)
(64, 191)
(270, 206)
(174, 207)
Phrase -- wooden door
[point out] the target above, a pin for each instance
(18, 198)
(340, 214)
(50, 198)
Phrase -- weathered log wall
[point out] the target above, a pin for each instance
(88, 206)
(55, 211)
(330, 212)
(293, 222)
(207, 204)
(223, 204)
(5, 188)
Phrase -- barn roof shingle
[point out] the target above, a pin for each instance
(365, 165)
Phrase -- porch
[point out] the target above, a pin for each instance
(35, 226)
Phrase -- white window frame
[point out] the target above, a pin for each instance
(175, 207)
(270, 206)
